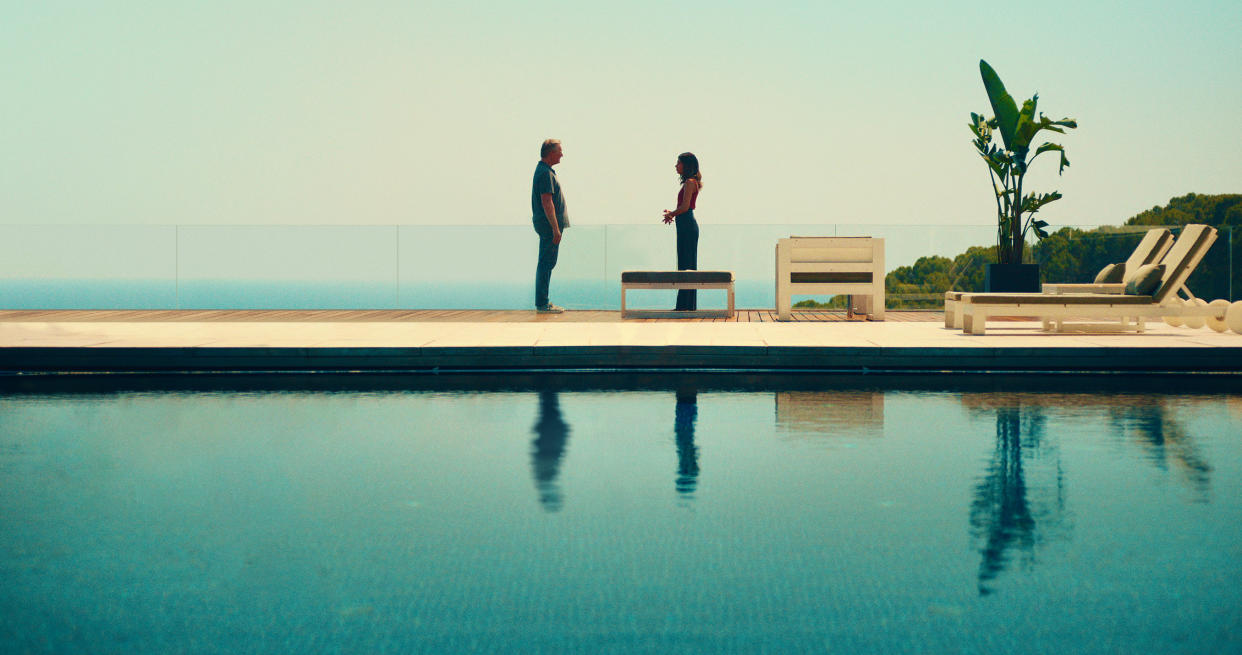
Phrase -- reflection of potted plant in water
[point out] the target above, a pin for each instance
(1016, 507)
(1007, 168)
(1002, 514)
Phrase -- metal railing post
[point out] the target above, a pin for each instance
(605, 276)
(396, 301)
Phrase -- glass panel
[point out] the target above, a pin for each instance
(493, 267)
(88, 267)
(1212, 277)
(1234, 250)
(288, 267)
(460, 267)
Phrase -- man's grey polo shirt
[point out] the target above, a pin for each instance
(546, 182)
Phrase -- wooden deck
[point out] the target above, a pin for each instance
(424, 316)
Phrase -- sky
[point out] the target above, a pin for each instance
(395, 112)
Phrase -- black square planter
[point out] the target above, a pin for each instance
(1011, 278)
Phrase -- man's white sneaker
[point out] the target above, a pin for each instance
(550, 309)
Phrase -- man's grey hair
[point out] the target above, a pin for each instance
(547, 147)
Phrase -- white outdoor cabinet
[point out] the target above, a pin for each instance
(852, 266)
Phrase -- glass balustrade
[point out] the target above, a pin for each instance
(492, 267)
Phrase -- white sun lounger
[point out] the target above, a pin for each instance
(1053, 309)
(1149, 250)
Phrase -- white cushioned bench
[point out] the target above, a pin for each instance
(676, 280)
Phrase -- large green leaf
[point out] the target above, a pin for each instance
(998, 168)
(979, 127)
(1003, 106)
(1052, 147)
(1026, 129)
(1038, 228)
(1034, 202)
(1046, 123)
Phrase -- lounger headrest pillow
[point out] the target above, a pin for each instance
(1111, 274)
(1145, 280)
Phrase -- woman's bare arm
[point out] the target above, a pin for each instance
(688, 190)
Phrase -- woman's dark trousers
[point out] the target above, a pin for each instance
(687, 256)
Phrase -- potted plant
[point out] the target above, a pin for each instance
(1007, 168)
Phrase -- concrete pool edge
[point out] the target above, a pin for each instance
(16, 361)
(30, 347)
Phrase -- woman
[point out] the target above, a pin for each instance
(687, 228)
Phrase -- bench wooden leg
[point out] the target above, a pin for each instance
(626, 312)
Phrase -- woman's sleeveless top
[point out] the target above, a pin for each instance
(681, 192)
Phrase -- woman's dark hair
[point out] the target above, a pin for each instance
(690, 168)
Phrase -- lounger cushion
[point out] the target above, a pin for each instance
(677, 277)
(1055, 299)
(1184, 256)
(1145, 280)
(830, 278)
(1111, 274)
(1153, 246)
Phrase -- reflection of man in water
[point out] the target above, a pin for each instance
(687, 454)
(551, 433)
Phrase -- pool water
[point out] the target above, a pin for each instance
(689, 515)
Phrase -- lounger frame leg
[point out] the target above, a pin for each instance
(974, 322)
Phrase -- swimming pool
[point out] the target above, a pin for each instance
(581, 514)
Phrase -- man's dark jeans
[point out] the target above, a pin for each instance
(547, 260)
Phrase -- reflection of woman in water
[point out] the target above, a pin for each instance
(551, 432)
(684, 417)
(687, 228)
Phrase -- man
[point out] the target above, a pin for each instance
(549, 218)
